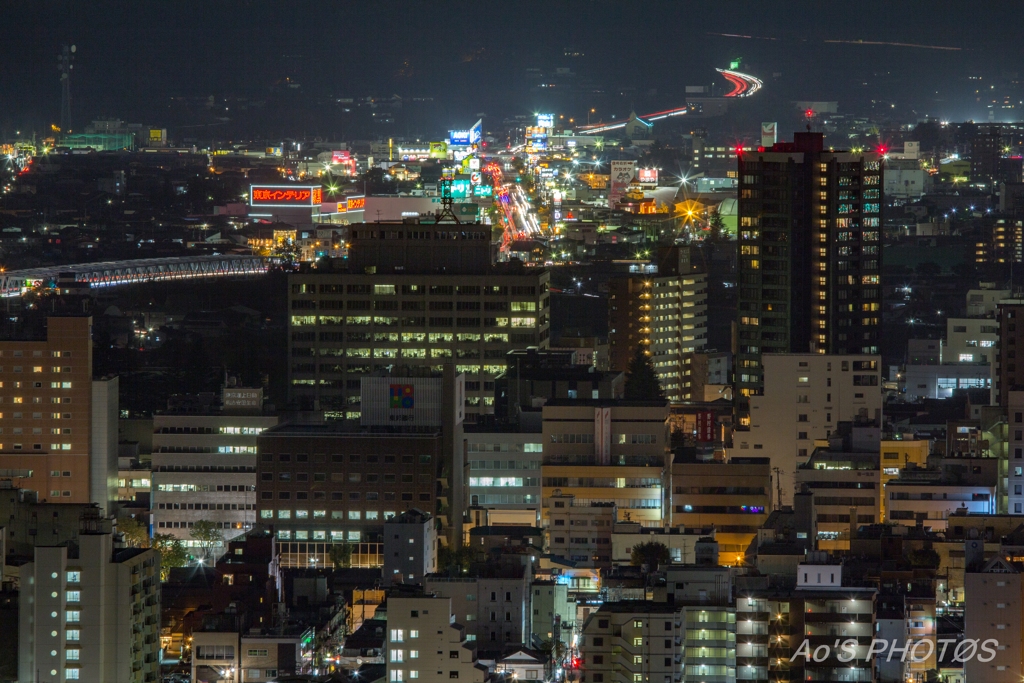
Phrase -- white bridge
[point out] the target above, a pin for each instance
(114, 273)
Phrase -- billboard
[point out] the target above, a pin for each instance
(647, 176)
(769, 134)
(483, 191)
(342, 157)
(461, 188)
(414, 401)
(536, 132)
(438, 150)
(243, 399)
(622, 174)
(705, 426)
(466, 137)
(536, 144)
(545, 120)
(275, 151)
(285, 195)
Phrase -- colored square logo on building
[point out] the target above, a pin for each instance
(402, 396)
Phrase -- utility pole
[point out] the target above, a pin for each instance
(778, 487)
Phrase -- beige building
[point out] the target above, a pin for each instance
(493, 605)
(90, 617)
(607, 452)
(579, 530)
(805, 397)
(58, 427)
(733, 496)
(637, 641)
(426, 642)
(992, 610)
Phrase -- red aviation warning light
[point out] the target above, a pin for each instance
(809, 113)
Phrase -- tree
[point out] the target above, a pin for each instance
(207, 535)
(717, 224)
(172, 553)
(641, 380)
(649, 556)
(135, 532)
(457, 559)
(341, 555)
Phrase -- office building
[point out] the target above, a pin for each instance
(58, 426)
(734, 497)
(426, 642)
(410, 547)
(337, 482)
(90, 615)
(666, 315)
(607, 452)
(533, 376)
(204, 468)
(258, 657)
(846, 490)
(505, 469)
(415, 296)
(809, 254)
(579, 530)
(806, 397)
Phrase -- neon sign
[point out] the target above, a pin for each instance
(285, 195)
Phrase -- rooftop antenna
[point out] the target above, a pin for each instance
(65, 63)
(446, 200)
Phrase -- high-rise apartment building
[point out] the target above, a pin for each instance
(665, 314)
(809, 254)
(58, 427)
(90, 615)
(1008, 377)
(415, 296)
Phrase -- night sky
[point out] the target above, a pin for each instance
(134, 56)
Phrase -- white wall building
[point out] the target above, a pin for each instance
(970, 340)
(90, 617)
(204, 468)
(805, 397)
